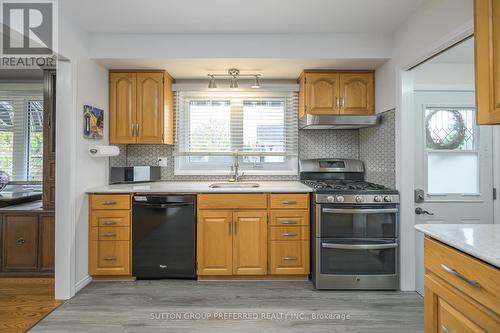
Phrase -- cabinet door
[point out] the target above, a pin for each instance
(20, 243)
(47, 243)
(451, 320)
(289, 257)
(322, 93)
(122, 107)
(357, 93)
(250, 243)
(150, 108)
(215, 243)
(109, 258)
(487, 60)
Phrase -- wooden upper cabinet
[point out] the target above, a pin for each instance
(141, 108)
(356, 93)
(215, 243)
(250, 243)
(150, 108)
(336, 93)
(321, 94)
(487, 60)
(122, 107)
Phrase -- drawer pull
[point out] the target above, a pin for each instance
(109, 234)
(20, 241)
(289, 202)
(289, 234)
(109, 203)
(289, 258)
(109, 222)
(472, 283)
(110, 258)
(446, 329)
(288, 222)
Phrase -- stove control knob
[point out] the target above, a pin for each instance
(388, 198)
(340, 198)
(330, 198)
(377, 198)
(359, 199)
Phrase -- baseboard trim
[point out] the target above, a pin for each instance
(82, 283)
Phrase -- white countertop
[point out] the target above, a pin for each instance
(481, 241)
(202, 187)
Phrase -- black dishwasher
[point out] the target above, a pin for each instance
(164, 236)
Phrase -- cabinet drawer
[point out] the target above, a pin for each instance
(289, 257)
(110, 201)
(112, 218)
(471, 276)
(451, 320)
(289, 233)
(110, 233)
(232, 201)
(289, 217)
(289, 201)
(110, 258)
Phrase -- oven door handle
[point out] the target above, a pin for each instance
(359, 246)
(359, 210)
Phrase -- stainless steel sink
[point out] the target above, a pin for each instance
(234, 185)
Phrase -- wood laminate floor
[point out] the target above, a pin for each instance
(24, 302)
(166, 305)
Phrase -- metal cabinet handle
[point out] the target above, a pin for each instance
(235, 226)
(109, 203)
(20, 241)
(446, 329)
(229, 228)
(289, 234)
(109, 222)
(110, 258)
(337, 99)
(359, 246)
(132, 129)
(342, 102)
(136, 129)
(289, 258)
(288, 222)
(289, 202)
(450, 270)
(109, 234)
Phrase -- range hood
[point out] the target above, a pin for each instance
(337, 122)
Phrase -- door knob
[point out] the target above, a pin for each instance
(420, 211)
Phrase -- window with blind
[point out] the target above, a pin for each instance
(21, 135)
(214, 128)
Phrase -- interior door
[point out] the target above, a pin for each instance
(322, 93)
(250, 243)
(122, 107)
(356, 93)
(454, 180)
(150, 108)
(215, 243)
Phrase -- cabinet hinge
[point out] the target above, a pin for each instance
(494, 193)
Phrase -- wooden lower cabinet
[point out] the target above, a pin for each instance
(250, 243)
(110, 258)
(289, 257)
(27, 243)
(460, 305)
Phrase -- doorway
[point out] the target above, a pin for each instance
(453, 162)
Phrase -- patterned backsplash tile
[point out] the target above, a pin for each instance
(375, 146)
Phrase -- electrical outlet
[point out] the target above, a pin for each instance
(162, 161)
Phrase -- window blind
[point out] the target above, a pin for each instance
(21, 134)
(253, 124)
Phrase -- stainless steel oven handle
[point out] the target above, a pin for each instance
(359, 210)
(359, 246)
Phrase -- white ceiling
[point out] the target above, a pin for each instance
(238, 16)
(462, 53)
(269, 68)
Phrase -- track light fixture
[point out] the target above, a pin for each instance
(233, 74)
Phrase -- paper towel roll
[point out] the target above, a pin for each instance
(104, 151)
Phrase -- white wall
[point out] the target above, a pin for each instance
(81, 81)
(454, 77)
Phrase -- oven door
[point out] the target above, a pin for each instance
(357, 257)
(337, 221)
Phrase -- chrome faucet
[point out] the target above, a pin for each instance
(235, 173)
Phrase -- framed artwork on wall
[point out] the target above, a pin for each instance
(93, 122)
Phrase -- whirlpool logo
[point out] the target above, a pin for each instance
(28, 36)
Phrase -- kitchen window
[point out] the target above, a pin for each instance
(260, 129)
(21, 135)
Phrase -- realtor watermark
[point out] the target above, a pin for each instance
(29, 34)
(250, 316)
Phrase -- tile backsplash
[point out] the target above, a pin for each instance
(375, 146)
